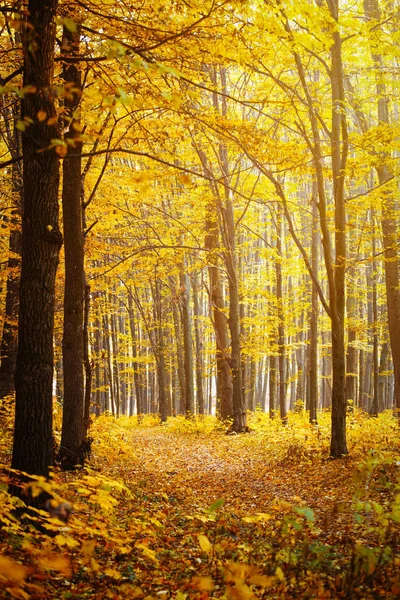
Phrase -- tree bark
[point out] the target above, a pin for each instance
(224, 376)
(389, 216)
(41, 243)
(8, 346)
(73, 427)
(281, 322)
(135, 365)
(313, 354)
(199, 348)
(187, 344)
(87, 362)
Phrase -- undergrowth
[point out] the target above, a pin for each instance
(182, 510)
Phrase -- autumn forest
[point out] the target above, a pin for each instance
(199, 299)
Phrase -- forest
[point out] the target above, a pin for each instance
(199, 299)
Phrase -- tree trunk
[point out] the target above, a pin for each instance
(383, 365)
(339, 149)
(199, 348)
(224, 376)
(135, 365)
(87, 362)
(187, 344)
(41, 243)
(160, 352)
(313, 353)
(108, 368)
(389, 215)
(115, 363)
(8, 347)
(272, 386)
(374, 409)
(179, 406)
(281, 323)
(73, 427)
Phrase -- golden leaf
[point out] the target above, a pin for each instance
(61, 151)
(204, 543)
(205, 584)
(12, 571)
(112, 573)
(88, 547)
(41, 115)
(57, 563)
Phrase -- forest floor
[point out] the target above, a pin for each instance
(184, 511)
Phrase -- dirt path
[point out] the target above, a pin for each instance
(197, 470)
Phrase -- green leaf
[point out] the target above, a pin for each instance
(308, 513)
(70, 24)
(216, 505)
(358, 518)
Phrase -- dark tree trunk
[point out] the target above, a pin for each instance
(73, 428)
(41, 243)
(8, 347)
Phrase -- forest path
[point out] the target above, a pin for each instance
(196, 470)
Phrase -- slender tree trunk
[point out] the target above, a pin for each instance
(8, 346)
(339, 149)
(281, 322)
(199, 347)
(109, 368)
(383, 365)
(229, 239)
(272, 385)
(41, 242)
(115, 362)
(160, 352)
(187, 344)
(313, 355)
(375, 359)
(87, 362)
(73, 428)
(136, 366)
(179, 406)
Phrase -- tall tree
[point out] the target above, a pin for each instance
(389, 209)
(41, 243)
(73, 429)
(8, 345)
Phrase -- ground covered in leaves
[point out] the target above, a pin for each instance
(184, 511)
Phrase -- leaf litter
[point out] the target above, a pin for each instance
(184, 511)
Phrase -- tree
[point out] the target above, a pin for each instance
(41, 243)
(388, 206)
(73, 426)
